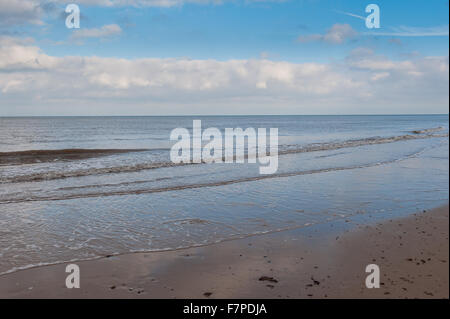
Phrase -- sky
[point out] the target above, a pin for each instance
(202, 57)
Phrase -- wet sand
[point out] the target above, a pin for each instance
(44, 156)
(320, 261)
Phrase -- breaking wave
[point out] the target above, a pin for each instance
(85, 153)
(428, 130)
(197, 185)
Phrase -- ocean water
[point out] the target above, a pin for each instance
(76, 188)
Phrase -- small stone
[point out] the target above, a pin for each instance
(266, 278)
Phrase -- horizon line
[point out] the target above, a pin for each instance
(204, 115)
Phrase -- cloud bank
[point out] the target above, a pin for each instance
(33, 82)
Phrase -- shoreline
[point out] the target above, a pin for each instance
(321, 261)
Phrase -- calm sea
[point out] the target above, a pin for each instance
(75, 188)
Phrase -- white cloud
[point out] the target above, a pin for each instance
(337, 34)
(105, 31)
(19, 55)
(14, 12)
(32, 82)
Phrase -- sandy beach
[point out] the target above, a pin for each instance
(322, 261)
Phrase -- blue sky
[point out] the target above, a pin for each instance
(241, 30)
(275, 41)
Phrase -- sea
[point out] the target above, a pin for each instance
(81, 188)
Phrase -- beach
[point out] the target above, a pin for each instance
(138, 225)
(323, 261)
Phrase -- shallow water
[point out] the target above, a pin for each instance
(58, 208)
